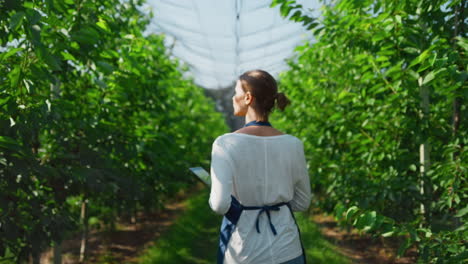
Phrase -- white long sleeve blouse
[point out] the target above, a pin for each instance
(258, 171)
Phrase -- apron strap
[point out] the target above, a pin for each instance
(231, 218)
(299, 231)
(227, 227)
(266, 209)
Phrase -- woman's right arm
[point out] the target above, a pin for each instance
(302, 194)
(221, 179)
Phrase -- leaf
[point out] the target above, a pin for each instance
(339, 210)
(36, 35)
(105, 67)
(297, 15)
(420, 58)
(462, 212)
(109, 54)
(12, 122)
(388, 234)
(33, 17)
(462, 42)
(7, 140)
(382, 58)
(29, 5)
(4, 56)
(398, 19)
(48, 104)
(14, 76)
(86, 35)
(429, 77)
(103, 24)
(67, 56)
(461, 228)
(403, 247)
(275, 3)
(366, 220)
(351, 212)
(411, 50)
(4, 98)
(16, 21)
(312, 26)
(285, 9)
(460, 257)
(342, 94)
(27, 84)
(48, 58)
(8, 143)
(378, 36)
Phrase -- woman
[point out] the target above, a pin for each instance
(259, 176)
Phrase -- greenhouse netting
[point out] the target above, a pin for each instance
(221, 39)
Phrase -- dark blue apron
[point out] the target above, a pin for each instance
(231, 218)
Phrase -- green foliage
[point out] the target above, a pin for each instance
(358, 101)
(90, 110)
(295, 12)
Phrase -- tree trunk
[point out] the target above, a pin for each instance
(457, 101)
(36, 257)
(84, 236)
(134, 217)
(424, 149)
(58, 253)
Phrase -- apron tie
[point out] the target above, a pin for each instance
(231, 218)
(266, 209)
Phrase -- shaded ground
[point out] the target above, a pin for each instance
(187, 232)
(362, 248)
(194, 238)
(191, 240)
(126, 243)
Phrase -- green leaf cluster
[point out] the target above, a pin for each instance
(91, 110)
(383, 79)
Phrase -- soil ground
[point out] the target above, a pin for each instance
(129, 241)
(126, 243)
(362, 248)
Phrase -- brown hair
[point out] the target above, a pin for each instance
(265, 90)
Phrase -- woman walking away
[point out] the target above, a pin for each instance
(259, 177)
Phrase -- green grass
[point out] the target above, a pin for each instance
(318, 249)
(194, 237)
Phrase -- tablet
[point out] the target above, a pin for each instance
(202, 174)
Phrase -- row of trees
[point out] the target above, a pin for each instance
(380, 102)
(96, 120)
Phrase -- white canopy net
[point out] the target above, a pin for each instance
(221, 39)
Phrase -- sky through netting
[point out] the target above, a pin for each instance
(219, 40)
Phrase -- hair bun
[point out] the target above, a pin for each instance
(282, 101)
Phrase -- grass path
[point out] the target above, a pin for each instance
(194, 236)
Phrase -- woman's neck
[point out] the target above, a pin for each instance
(251, 116)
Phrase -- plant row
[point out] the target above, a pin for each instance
(379, 99)
(96, 120)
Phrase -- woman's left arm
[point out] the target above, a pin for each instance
(221, 179)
